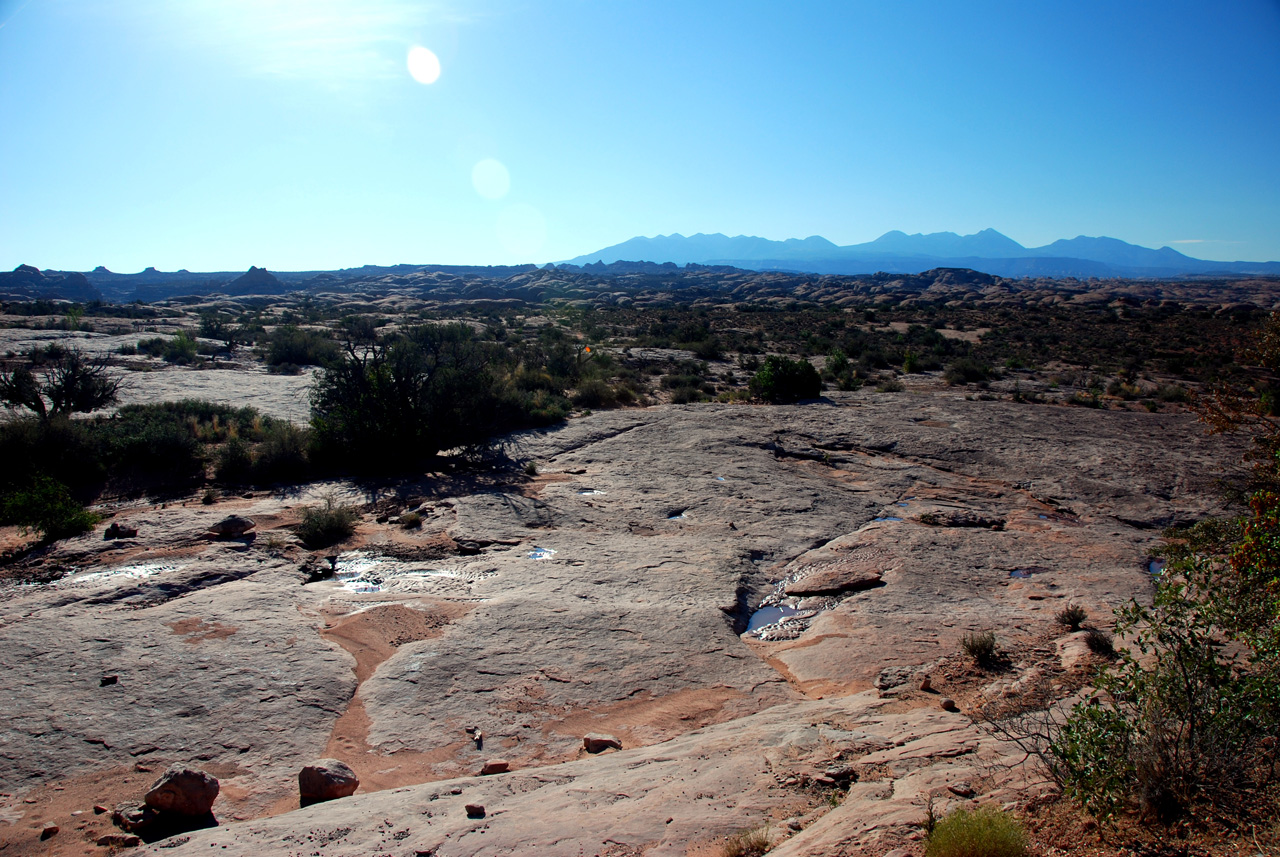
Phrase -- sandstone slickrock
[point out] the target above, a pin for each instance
(183, 790)
(626, 623)
(326, 779)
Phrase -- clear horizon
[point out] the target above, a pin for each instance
(321, 134)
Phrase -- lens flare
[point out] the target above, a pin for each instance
(424, 66)
(490, 179)
(522, 230)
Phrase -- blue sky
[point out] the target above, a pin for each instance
(291, 134)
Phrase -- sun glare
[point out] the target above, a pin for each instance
(424, 66)
(491, 179)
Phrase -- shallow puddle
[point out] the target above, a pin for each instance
(541, 553)
(590, 492)
(1155, 567)
(769, 615)
(885, 518)
(365, 572)
(120, 574)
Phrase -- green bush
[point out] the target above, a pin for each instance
(406, 397)
(234, 463)
(283, 455)
(781, 380)
(982, 832)
(180, 348)
(966, 370)
(1191, 713)
(294, 346)
(327, 525)
(46, 506)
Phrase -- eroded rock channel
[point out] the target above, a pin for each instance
(613, 593)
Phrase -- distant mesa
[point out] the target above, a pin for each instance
(26, 282)
(256, 281)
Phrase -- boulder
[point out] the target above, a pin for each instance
(495, 766)
(596, 742)
(326, 779)
(115, 531)
(232, 525)
(474, 810)
(832, 576)
(183, 791)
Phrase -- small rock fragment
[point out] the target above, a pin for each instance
(49, 831)
(474, 810)
(99, 809)
(118, 840)
(926, 684)
(133, 817)
(184, 791)
(961, 789)
(456, 790)
(948, 704)
(108, 680)
(495, 766)
(326, 779)
(598, 742)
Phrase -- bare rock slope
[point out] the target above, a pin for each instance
(613, 593)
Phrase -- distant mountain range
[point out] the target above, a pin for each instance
(897, 252)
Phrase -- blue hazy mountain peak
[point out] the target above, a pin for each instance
(895, 250)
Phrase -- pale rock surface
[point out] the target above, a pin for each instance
(661, 531)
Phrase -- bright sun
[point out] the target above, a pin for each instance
(424, 66)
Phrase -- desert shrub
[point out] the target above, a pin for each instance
(179, 348)
(966, 370)
(1191, 714)
(708, 349)
(781, 380)
(890, 385)
(406, 397)
(594, 394)
(1071, 616)
(295, 346)
(1100, 643)
(234, 462)
(980, 645)
(1172, 393)
(283, 455)
(747, 843)
(410, 521)
(57, 382)
(46, 506)
(326, 525)
(982, 832)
